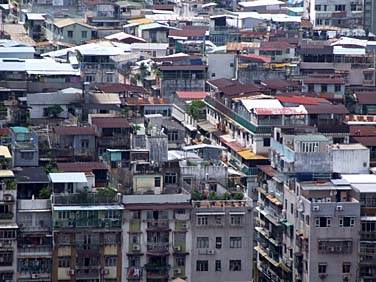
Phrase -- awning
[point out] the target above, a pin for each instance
(268, 170)
(88, 208)
(9, 226)
(211, 213)
(274, 200)
(207, 126)
(6, 173)
(368, 218)
(285, 222)
(248, 155)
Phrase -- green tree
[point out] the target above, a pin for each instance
(196, 109)
(10, 184)
(44, 193)
(54, 111)
(107, 191)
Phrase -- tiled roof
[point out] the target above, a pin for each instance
(326, 109)
(221, 83)
(274, 46)
(110, 122)
(75, 130)
(366, 98)
(255, 58)
(121, 88)
(146, 101)
(241, 89)
(191, 94)
(369, 141)
(362, 130)
(301, 100)
(190, 31)
(80, 166)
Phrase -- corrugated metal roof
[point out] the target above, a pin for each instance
(4, 152)
(88, 208)
(311, 138)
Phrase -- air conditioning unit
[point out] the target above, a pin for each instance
(8, 198)
(136, 248)
(339, 208)
(177, 271)
(210, 252)
(177, 248)
(105, 271)
(316, 208)
(71, 271)
(34, 276)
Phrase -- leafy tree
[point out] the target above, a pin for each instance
(10, 184)
(44, 193)
(107, 191)
(54, 111)
(196, 108)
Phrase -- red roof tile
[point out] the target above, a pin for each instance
(146, 101)
(366, 98)
(121, 88)
(191, 94)
(75, 130)
(221, 83)
(110, 122)
(280, 111)
(80, 166)
(190, 31)
(326, 109)
(255, 58)
(369, 141)
(362, 130)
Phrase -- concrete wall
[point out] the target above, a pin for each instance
(225, 253)
(348, 161)
(221, 65)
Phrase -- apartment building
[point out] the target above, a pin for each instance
(157, 237)
(86, 231)
(346, 14)
(369, 16)
(8, 225)
(34, 240)
(222, 240)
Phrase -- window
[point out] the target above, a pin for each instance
(218, 242)
(180, 261)
(218, 265)
(157, 182)
(292, 208)
(135, 214)
(325, 7)
(319, 22)
(202, 220)
(202, 242)
(323, 221)
(64, 261)
(70, 33)
(110, 260)
(63, 215)
(235, 265)
(324, 88)
(340, 8)
(337, 87)
(85, 143)
(109, 77)
(218, 220)
(317, 7)
(84, 34)
(235, 242)
(236, 220)
(27, 155)
(346, 267)
(202, 265)
(6, 258)
(335, 247)
(112, 214)
(213, 74)
(322, 268)
(266, 142)
(170, 178)
(347, 221)
(311, 88)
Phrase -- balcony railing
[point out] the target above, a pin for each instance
(6, 216)
(157, 224)
(87, 272)
(158, 247)
(157, 271)
(135, 272)
(30, 249)
(84, 198)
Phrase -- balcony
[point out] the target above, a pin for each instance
(158, 225)
(6, 216)
(134, 273)
(83, 198)
(85, 222)
(31, 250)
(155, 271)
(367, 235)
(87, 272)
(158, 248)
